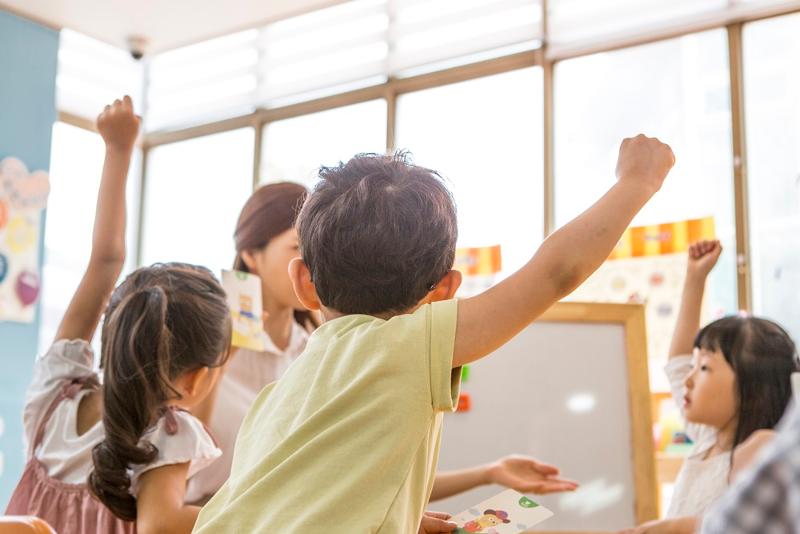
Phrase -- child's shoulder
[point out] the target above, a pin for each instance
(177, 427)
(179, 437)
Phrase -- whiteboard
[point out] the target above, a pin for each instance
(560, 392)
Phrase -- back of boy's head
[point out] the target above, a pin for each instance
(763, 357)
(161, 322)
(377, 234)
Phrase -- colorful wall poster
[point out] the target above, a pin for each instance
(23, 196)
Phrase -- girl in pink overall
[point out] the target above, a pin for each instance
(114, 458)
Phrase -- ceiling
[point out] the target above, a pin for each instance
(165, 24)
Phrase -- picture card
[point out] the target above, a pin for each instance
(509, 512)
(243, 292)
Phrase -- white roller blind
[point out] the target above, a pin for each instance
(349, 45)
(203, 82)
(336, 46)
(92, 74)
(424, 32)
(573, 22)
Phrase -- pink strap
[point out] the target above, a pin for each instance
(69, 389)
(170, 421)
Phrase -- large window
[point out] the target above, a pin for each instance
(485, 137)
(772, 90)
(293, 149)
(76, 164)
(677, 90)
(193, 193)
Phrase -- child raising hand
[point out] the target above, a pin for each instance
(102, 457)
(731, 380)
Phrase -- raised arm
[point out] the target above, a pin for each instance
(566, 258)
(703, 255)
(118, 126)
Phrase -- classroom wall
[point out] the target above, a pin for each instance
(28, 61)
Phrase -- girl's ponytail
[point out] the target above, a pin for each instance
(135, 388)
(161, 322)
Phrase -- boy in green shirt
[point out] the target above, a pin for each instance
(348, 440)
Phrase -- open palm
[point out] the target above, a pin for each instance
(527, 475)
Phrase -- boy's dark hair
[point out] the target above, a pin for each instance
(161, 322)
(377, 233)
(763, 357)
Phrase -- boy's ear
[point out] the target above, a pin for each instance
(446, 288)
(302, 284)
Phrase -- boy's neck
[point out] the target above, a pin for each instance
(329, 314)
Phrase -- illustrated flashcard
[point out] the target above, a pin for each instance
(509, 512)
(244, 300)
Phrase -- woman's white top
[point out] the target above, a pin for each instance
(66, 455)
(245, 376)
(700, 481)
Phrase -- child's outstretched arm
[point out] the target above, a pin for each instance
(520, 473)
(703, 255)
(566, 258)
(159, 501)
(118, 127)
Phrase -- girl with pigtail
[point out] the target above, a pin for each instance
(114, 458)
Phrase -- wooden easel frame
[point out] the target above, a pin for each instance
(632, 319)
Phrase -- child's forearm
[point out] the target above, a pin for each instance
(108, 240)
(449, 483)
(688, 322)
(575, 251)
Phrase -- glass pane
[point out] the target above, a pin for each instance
(76, 162)
(772, 90)
(293, 149)
(490, 150)
(193, 194)
(677, 90)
